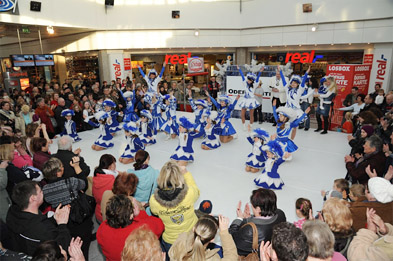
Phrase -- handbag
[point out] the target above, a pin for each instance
(82, 205)
(54, 122)
(253, 256)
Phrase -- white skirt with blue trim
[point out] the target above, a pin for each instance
(146, 140)
(104, 142)
(167, 128)
(265, 180)
(254, 162)
(158, 122)
(211, 143)
(128, 153)
(181, 155)
(248, 103)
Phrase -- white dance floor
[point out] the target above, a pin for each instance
(220, 173)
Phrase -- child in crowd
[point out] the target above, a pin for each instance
(184, 152)
(98, 106)
(170, 119)
(339, 190)
(146, 128)
(108, 107)
(104, 141)
(205, 208)
(357, 192)
(133, 143)
(380, 97)
(225, 109)
(256, 159)
(303, 211)
(199, 107)
(129, 112)
(69, 125)
(212, 131)
(348, 125)
(270, 179)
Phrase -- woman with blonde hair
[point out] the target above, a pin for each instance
(26, 117)
(336, 214)
(326, 93)
(192, 245)
(173, 201)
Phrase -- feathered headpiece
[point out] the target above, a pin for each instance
(261, 133)
(296, 78)
(274, 147)
(251, 76)
(224, 98)
(152, 71)
(287, 112)
(254, 67)
(101, 115)
(201, 102)
(286, 69)
(109, 103)
(186, 123)
(67, 112)
(167, 97)
(146, 114)
(130, 127)
(128, 94)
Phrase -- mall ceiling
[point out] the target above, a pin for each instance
(9, 35)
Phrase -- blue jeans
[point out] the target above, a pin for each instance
(305, 123)
(165, 248)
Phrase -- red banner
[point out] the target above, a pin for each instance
(127, 64)
(368, 58)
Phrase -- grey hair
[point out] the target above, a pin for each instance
(320, 239)
(60, 99)
(65, 143)
(51, 167)
(375, 142)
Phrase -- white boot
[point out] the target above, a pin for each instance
(235, 136)
(244, 127)
(168, 137)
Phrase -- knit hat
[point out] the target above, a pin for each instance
(368, 129)
(381, 189)
(206, 206)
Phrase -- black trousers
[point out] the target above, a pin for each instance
(258, 114)
(325, 122)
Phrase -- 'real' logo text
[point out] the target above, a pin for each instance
(117, 68)
(302, 57)
(381, 64)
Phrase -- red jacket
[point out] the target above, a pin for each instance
(101, 183)
(22, 160)
(112, 240)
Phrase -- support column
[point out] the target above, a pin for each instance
(111, 65)
(61, 68)
(242, 56)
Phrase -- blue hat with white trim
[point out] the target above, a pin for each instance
(186, 123)
(274, 147)
(130, 127)
(67, 112)
(146, 114)
(109, 103)
(261, 133)
(201, 102)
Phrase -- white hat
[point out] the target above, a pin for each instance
(381, 189)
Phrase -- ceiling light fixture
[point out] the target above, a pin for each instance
(196, 33)
(314, 27)
(50, 30)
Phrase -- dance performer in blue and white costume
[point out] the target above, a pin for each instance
(158, 121)
(184, 152)
(200, 107)
(326, 94)
(256, 159)
(152, 79)
(129, 112)
(170, 118)
(225, 109)
(133, 143)
(69, 125)
(294, 90)
(269, 178)
(146, 128)
(108, 106)
(249, 102)
(212, 131)
(286, 121)
(104, 141)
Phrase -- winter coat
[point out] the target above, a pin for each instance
(183, 245)
(357, 169)
(66, 157)
(101, 183)
(5, 200)
(176, 208)
(15, 175)
(243, 235)
(147, 183)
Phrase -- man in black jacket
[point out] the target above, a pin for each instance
(65, 154)
(28, 227)
(60, 120)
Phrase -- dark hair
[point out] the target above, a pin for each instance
(48, 251)
(371, 97)
(266, 200)
(5, 139)
(125, 184)
(118, 211)
(304, 206)
(378, 85)
(140, 158)
(362, 96)
(38, 143)
(289, 242)
(368, 117)
(4, 103)
(355, 88)
(105, 161)
(22, 192)
(31, 128)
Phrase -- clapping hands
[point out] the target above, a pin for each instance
(75, 250)
(246, 213)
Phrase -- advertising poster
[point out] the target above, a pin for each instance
(381, 69)
(115, 65)
(127, 64)
(195, 65)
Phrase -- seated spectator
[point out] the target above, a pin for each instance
(265, 217)
(348, 125)
(288, 244)
(357, 193)
(339, 187)
(303, 211)
(124, 184)
(142, 244)
(320, 242)
(51, 250)
(122, 218)
(373, 243)
(178, 192)
(373, 156)
(28, 227)
(205, 208)
(365, 132)
(5, 201)
(65, 154)
(40, 148)
(336, 214)
(192, 245)
(57, 192)
(26, 117)
(21, 157)
(381, 189)
(7, 115)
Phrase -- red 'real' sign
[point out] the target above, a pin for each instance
(302, 57)
(127, 64)
(174, 58)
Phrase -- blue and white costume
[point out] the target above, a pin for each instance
(69, 126)
(115, 126)
(225, 112)
(146, 129)
(256, 159)
(158, 121)
(249, 102)
(283, 134)
(326, 97)
(294, 94)
(184, 151)
(152, 83)
(170, 117)
(129, 111)
(212, 138)
(133, 142)
(270, 179)
(105, 138)
(200, 114)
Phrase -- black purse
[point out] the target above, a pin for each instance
(82, 205)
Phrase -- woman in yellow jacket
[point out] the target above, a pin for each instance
(173, 202)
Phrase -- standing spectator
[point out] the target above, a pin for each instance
(258, 93)
(59, 119)
(214, 87)
(278, 91)
(44, 113)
